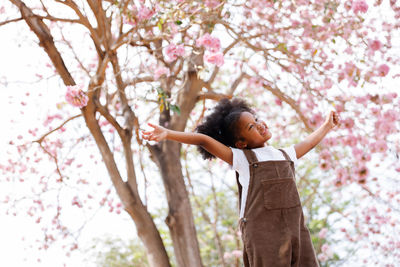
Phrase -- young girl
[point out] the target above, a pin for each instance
(271, 217)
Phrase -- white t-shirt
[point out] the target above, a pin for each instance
(241, 165)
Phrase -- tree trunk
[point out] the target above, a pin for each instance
(180, 216)
(147, 230)
(167, 155)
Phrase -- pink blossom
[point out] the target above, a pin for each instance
(325, 248)
(375, 111)
(359, 6)
(391, 115)
(174, 28)
(350, 69)
(322, 257)
(76, 97)
(362, 173)
(160, 71)
(322, 233)
(174, 51)
(375, 45)
(365, 157)
(357, 153)
(329, 66)
(330, 141)
(212, 44)
(316, 119)
(350, 140)
(214, 58)
(130, 21)
(362, 100)
(76, 201)
(325, 165)
(379, 146)
(328, 83)
(237, 253)
(389, 97)
(145, 13)
(307, 45)
(348, 123)
(227, 255)
(383, 70)
(349, 50)
(212, 3)
(310, 103)
(228, 237)
(295, 23)
(278, 101)
(325, 154)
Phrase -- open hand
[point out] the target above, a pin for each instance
(332, 119)
(157, 134)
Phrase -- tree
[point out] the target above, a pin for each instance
(128, 61)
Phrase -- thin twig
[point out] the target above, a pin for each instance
(40, 140)
(10, 21)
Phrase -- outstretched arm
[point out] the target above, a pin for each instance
(313, 139)
(210, 144)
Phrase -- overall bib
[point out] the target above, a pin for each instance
(273, 229)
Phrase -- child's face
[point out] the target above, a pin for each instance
(253, 133)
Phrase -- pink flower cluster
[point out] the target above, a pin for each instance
(212, 3)
(160, 71)
(233, 254)
(212, 46)
(145, 13)
(174, 51)
(375, 45)
(76, 97)
(215, 58)
(383, 70)
(359, 6)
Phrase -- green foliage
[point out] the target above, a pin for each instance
(115, 252)
(164, 102)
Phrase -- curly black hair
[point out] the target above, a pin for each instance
(221, 123)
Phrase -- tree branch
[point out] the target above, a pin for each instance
(292, 103)
(212, 95)
(10, 21)
(40, 140)
(45, 40)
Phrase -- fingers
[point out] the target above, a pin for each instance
(154, 134)
(150, 136)
(335, 117)
(152, 125)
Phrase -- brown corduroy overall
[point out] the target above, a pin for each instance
(273, 229)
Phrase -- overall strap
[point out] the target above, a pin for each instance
(285, 154)
(250, 155)
(239, 189)
(288, 159)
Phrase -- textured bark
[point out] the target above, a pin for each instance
(146, 228)
(167, 155)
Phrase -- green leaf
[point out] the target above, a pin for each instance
(178, 22)
(175, 109)
(282, 47)
(160, 23)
